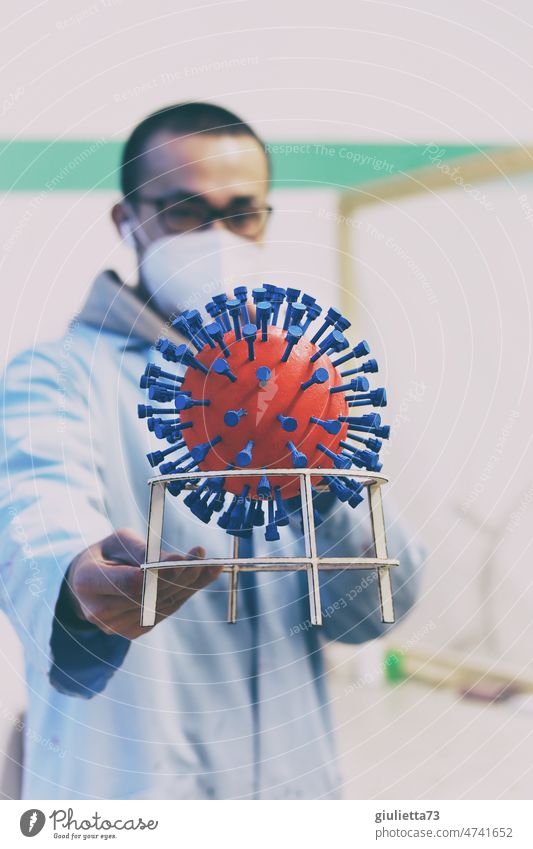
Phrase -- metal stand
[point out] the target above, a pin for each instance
(312, 563)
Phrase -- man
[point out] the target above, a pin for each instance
(192, 708)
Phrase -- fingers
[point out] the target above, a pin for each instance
(180, 577)
(172, 596)
(92, 577)
(124, 546)
(109, 592)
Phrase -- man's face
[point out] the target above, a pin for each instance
(183, 179)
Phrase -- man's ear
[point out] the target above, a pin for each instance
(119, 217)
(122, 222)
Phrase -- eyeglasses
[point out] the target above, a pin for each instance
(180, 216)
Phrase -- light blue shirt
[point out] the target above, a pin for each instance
(195, 708)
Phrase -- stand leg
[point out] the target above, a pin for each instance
(156, 512)
(380, 545)
(233, 585)
(306, 493)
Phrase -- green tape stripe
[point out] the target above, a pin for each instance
(34, 166)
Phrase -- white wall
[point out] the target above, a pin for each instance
(445, 291)
(348, 69)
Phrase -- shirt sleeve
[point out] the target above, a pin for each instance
(350, 598)
(51, 509)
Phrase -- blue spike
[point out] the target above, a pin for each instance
(264, 490)
(259, 294)
(153, 422)
(308, 300)
(164, 428)
(217, 335)
(159, 426)
(234, 307)
(218, 501)
(271, 532)
(221, 301)
(356, 489)
(339, 461)
(356, 384)
(360, 350)
(364, 459)
(175, 467)
(183, 402)
(299, 460)
(204, 509)
(263, 374)
(382, 432)
(342, 492)
(237, 514)
(173, 436)
(215, 311)
(334, 342)
(342, 324)
(367, 420)
(144, 412)
(312, 314)
(233, 417)
(316, 515)
(298, 312)
(281, 517)
(277, 299)
(250, 335)
(319, 376)
(197, 325)
(332, 316)
(182, 326)
(288, 423)
(147, 381)
(372, 444)
(194, 495)
(263, 311)
(259, 516)
(157, 457)
(241, 293)
(244, 457)
(200, 452)
(370, 367)
(332, 426)
(160, 395)
(223, 520)
(221, 367)
(216, 484)
(179, 354)
(250, 514)
(291, 296)
(176, 487)
(294, 334)
(376, 397)
(152, 370)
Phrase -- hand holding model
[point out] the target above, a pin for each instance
(105, 583)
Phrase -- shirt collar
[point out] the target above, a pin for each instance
(115, 306)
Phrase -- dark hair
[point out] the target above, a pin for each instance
(179, 119)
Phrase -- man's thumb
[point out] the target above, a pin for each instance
(124, 546)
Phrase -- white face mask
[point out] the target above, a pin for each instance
(184, 271)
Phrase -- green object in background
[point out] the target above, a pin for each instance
(46, 165)
(394, 667)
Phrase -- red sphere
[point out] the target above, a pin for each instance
(281, 395)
